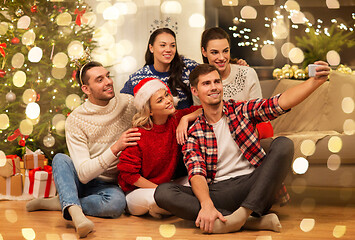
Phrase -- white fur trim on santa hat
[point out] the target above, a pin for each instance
(146, 91)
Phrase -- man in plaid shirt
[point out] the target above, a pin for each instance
(230, 174)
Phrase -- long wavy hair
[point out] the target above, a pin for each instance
(142, 118)
(176, 65)
(213, 34)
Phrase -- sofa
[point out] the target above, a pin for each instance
(323, 131)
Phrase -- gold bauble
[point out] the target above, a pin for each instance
(300, 74)
(288, 73)
(286, 67)
(277, 73)
(294, 68)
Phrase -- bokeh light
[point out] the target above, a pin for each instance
(291, 5)
(59, 73)
(197, 20)
(339, 231)
(60, 60)
(100, 8)
(73, 101)
(347, 105)
(334, 162)
(171, 7)
(75, 49)
(89, 18)
(69, 236)
(26, 127)
(248, 12)
(4, 121)
(300, 165)
(33, 110)
(333, 58)
(298, 17)
(52, 236)
(269, 52)
(230, 2)
(29, 95)
(35, 54)
(111, 13)
(335, 144)
(58, 118)
(11, 215)
(144, 238)
(296, 55)
(267, 2)
(167, 230)
(28, 233)
(19, 79)
(2, 159)
(126, 45)
(152, 2)
(17, 60)
(307, 224)
(286, 48)
(332, 4)
(4, 26)
(263, 238)
(64, 19)
(349, 127)
(308, 147)
(28, 37)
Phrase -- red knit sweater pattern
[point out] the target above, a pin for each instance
(154, 157)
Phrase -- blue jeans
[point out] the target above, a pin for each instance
(96, 198)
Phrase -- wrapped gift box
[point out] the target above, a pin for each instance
(11, 185)
(43, 187)
(39, 185)
(11, 167)
(33, 161)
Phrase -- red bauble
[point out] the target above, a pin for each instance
(34, 8)
(15, 40)
(2, 73)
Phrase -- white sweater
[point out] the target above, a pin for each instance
(90, 132)
(242, 84)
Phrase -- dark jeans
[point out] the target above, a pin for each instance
(255, 191)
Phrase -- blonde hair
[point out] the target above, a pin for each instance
(142, 118)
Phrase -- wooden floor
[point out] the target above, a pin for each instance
(331, 221)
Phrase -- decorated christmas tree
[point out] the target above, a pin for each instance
(41, 44)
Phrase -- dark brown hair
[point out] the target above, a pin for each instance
(212, 34)
(176, 65)
(201, 69)
(81, 75)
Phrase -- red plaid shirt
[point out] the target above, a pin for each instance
(200, 149)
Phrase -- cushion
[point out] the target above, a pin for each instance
(341, 88)
(307, 115)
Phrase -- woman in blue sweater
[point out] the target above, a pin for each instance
(163, 62)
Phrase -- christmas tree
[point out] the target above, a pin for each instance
(41, 42)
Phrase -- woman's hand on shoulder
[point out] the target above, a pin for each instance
(242, 62)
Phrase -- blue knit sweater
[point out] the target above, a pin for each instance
(149, 71)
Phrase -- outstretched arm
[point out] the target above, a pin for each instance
(293, 96)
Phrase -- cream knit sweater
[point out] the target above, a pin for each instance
(90, 132)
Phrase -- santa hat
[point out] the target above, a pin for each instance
(145, 89)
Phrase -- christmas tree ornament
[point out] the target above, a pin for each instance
(2, 73)
(277, 73)
(79, 16)
(2, 50)
(4, 121)
(19, 12)
(300, 74)
(294, 68)
(10, 97)
(287, 73)
(49, 141)
(15, 40)
(24, 22)
(34, 8)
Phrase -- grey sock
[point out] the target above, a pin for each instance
(266, 222)
(234, 221)
(82, 224)
(52, 204)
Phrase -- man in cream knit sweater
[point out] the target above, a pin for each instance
(96, 133)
